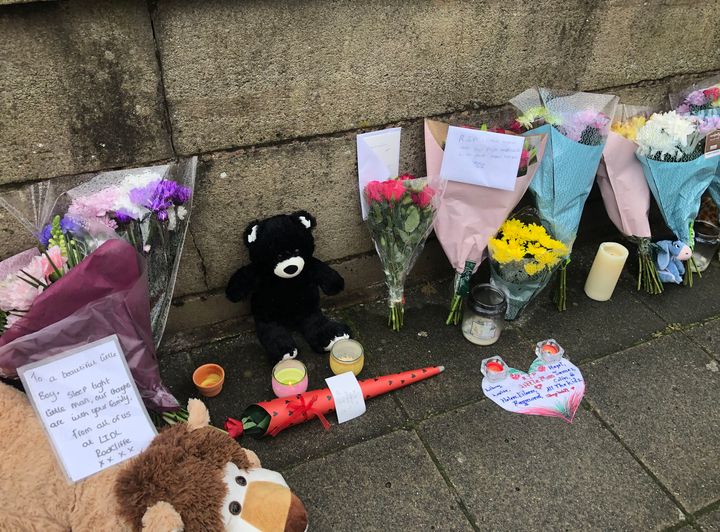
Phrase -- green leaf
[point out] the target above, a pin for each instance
(412, 220)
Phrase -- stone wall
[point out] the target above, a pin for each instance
(271, 93)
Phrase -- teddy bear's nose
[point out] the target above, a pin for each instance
(290, 269)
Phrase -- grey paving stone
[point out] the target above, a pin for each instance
(682, 304)
(425, 340)
(708, 336)
(710, 522)
(389, 483)
(662, 400)
(518, 472)
(247, 380)
(591, 328)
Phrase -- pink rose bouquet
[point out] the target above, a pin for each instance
(400, 217)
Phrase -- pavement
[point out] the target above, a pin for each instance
(643, 452)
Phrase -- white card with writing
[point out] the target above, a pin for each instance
(378, 158)
(482, 158)
(91, 409)
(348, 397)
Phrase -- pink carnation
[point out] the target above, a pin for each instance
(56, 259)
(696, 98)
(423, 198)
(373, 191)
(393, 190)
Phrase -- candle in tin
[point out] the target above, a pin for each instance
(347, 355)
(549, 351)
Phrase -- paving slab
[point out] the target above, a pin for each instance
(247, 381)
(684, 305)
(389, 483)
(425, 340)
(661, 399)
(710, 522)
(708, 336)
(517, 472)
(589, 328)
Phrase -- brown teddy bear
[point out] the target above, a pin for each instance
(192, 477)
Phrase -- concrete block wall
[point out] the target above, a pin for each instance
(271, 93)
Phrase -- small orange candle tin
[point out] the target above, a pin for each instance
(209, 379)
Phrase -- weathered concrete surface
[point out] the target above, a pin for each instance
(266, 71)
(710, 522)
(519, 472)
(386, 484)
(661, 398)
(80, 88)
(708, 336)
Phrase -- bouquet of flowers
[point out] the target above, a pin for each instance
(148, 207)
(469, 215)
(577, 125)
(625, 192)
(523, 257)
(670, 150)
(400, 217)
(702, 101)
(57, 298)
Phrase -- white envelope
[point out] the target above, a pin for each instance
(378, 157)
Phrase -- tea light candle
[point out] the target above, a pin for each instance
(347, 355)
(494, 369)
(289, 377)
(605, 271)
(549, 351)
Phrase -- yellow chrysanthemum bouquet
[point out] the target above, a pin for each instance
(523, 257)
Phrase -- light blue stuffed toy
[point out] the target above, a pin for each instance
(669, 260)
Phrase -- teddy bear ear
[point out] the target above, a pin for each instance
(251, 233)
(305, 218)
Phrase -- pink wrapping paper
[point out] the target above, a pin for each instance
(106, 294)
(470, 215)
(623, 187)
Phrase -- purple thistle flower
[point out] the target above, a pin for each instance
(45, 235)
(182, 195)
(69, 225)
(123, 217)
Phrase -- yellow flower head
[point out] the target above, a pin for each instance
(629, 128)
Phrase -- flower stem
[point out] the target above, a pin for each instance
(561, 289)
(689, 270)
(648, 278)
(455, 310)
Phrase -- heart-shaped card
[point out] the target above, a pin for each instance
(548, 389)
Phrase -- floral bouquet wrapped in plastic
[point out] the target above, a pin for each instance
(577, 124)
(469, 215)
(401, 212)
(702, 101)
(148, 207)
(671, 152)
(523, 257)
(625, 191)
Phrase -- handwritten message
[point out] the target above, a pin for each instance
(348, 397)
(378, 159)
(90, 407)
(482, 158)
(546, 390)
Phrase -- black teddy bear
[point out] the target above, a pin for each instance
(283, 278)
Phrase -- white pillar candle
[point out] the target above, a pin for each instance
(605, 271)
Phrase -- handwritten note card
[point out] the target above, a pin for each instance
(482, 158)
(546, 390)
(90, 407)
(348, 397)
(378, 158)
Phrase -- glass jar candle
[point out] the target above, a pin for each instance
(707, 238)
(347, 355)
(289, 377)
(494, 369)
(484, 315)
(549, 351)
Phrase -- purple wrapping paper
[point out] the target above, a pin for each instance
(624, 189)
(106, 294)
